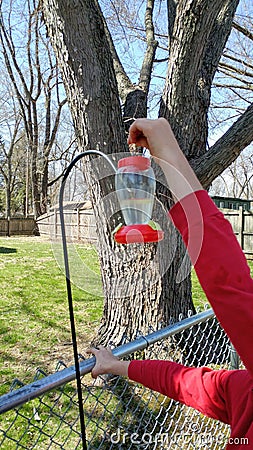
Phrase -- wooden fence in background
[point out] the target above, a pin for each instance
(80, 226)
(242, 224)
(18, 226)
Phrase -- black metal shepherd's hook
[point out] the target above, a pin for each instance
(68, 284)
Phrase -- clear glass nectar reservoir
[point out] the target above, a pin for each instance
(135, 185)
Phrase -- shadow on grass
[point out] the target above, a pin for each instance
(8, 250)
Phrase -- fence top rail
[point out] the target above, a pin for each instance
(22, 219)
(45, 216)
(39, 387)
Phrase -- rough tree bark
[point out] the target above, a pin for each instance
(199, 35)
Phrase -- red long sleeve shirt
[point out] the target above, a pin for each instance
(225, 277)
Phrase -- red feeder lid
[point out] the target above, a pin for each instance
(141, 162)
(137, 234)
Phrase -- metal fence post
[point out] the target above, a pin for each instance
(241, 227)
(234, 358)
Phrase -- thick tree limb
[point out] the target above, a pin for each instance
(134, 97)
(124, 83)
(200, 35)
(148, 60)
(226, 149)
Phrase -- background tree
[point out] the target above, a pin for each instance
(13, 153)
(9, 164)
(231, 94)
(31, 68)
(237, 179)
(135, 294)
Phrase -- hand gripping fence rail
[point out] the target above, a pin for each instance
(33, 390)
(120, 414)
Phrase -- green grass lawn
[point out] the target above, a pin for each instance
(34, 318)
(198, 296)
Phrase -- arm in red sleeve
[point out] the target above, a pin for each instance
(220, 266)
(200, 388)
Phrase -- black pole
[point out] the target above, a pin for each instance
(68, 285)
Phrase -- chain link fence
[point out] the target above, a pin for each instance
(119, 414)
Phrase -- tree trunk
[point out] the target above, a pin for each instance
(77, 34)
(8, 186)
(8, 201)
(44, 187)
(35, 181)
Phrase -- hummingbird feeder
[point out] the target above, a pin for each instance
(135, 187)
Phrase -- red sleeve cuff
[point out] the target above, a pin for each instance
(134, 370)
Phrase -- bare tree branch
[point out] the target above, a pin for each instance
(243, 30)
(123, 81)
(148, 60)
(244, 62)
(226, 149)
(229, 68)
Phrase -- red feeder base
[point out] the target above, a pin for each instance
(137, 234)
